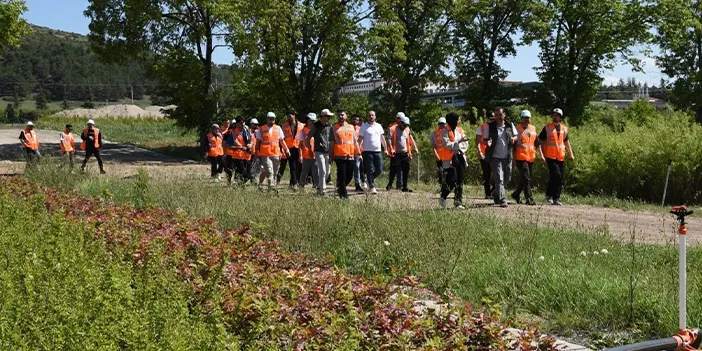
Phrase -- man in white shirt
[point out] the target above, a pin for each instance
(372, 140)
(270, 143)
(500, 137)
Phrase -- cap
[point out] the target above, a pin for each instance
(491, 115)
(270, 115)
(90, 121)
(215, 125)
(238, 119)
(312, 116)
(558, 111)
(30, 124)
(526, 114)
(290, 112)
(405, 120)
(442, 120)
(326, 112)
(253, 121)
(400, 115)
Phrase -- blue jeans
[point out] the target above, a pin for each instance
(357, 171)
(373, 160)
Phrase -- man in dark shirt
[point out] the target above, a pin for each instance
(321, 131)
(92, 143)
(553, 146)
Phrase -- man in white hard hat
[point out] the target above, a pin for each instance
(92, 143)
(393, 171)
(307, 159)
(270, 146)
(400, 146)
(524, 155)
(553, 144)
(434, 139)
(453, 143)
(323, 136)
(253, 167)
(30, 143)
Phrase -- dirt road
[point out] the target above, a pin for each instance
(124, 160)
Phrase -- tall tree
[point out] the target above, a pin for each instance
(409, 43)
(176, 37)
(680, 39)
(295, 54)
(12, 26)
(484, 31)
(587, 38)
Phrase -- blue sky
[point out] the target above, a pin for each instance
(67, 15)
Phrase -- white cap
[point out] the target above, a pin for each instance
(30, 124)
(90, 121)
(270, 115)
(312, 116)
(558, 111)
(442, 120)
(253, 121)
(526, 114)
(233, 121)
(326, 112)
(400, 115)
(405, 120)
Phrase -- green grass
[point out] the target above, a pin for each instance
(476, 256)
(61, 290)
(30, 105)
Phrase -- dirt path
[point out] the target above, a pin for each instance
(124, 161)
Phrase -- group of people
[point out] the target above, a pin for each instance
(91, 143)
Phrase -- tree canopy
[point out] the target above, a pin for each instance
(12, 26)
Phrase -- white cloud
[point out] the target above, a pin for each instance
(610, 81)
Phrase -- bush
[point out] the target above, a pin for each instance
(88, 105)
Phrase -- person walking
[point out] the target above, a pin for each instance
(358, 167)
(215, 153)
(500, 137)
(290, 129)
(68, 145)
(524, 155)
(270, 146)
(372, 141)
(239, 141)
(30, 144)
(92, 143)
(393, 171)
(553, 144)
(436, 146)
(323, 136)
(309, 166)
(481, 147)
(345, 148)
(401, 151)
(252, 167)
(451, 144)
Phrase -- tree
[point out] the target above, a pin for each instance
(355, 103)
(295, 54)
(12, 26)
(484, 31)
(10, 114)
(176, 37)
(587, 38)
(409, 43)
(680, 40)
(40, 100)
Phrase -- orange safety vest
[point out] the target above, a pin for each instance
(393, 137)
(525, 149)
(96, 141)
(290, 139)
(32, 139)
(215, 145)
(344, 145)
(227, 150)
(240, 154)
(253, 143)
(69, 143)
(307, 153)
(481, 140)
(270, 141)
(554, 147)
(446, 154)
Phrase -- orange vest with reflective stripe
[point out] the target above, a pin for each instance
(290, 137)
(481, 140)
(69, 143)
(32, 139)
(525, 149)
(393, 141)
(270, 141)
(96, 141)
(240, 154)
(445, 154)
(554, 146)
(227, 150)
(307, 153)
(343, 141)
(215, 142)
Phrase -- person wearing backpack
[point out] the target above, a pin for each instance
(500, 138)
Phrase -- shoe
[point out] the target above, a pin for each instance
(530, 202)
(516, 198)
(359, 189)
(442, 203)
(388, 188)
(365, 185)
(374, 191)
(260, 189)
(503, 204)
(549, 200)
(407, 190)
(102, 171)
(460, 207)
(557, 202)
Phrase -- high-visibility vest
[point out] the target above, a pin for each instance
(290, 137)
(307, 153)
(228, 151)
(253, 143)
(525, 149)
(446, 154)
(215, 142)
(240, 154)
(481, 140)
(393, 138)
(343, 141)
(69, 143)
(270, 141)
(96, 142)
(32, 139)
(554, 147)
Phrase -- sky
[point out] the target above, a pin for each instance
(67, 15)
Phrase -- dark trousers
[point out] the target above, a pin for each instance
(440, 171)
(295, 168)
(217, 164)
(400, 164)
(524, 184)
(555, 180)
(373, 162)
(241, 169)
(32, 156)
(344, 175)
(487, 184)
(453, 180)
(92, 152)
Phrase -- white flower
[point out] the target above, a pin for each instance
(386, 243)
(542, 258)
(595, 252)
(604, 251)
(58, 265)
(583, 253)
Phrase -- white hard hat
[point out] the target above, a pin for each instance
(442, 120)
(400, 115)
(312, 116)
(270, 115)
(253, 121)
(405, 120)
(30, 124)
(326, 112)
(526, 114)
(558, 111)
(90, 121)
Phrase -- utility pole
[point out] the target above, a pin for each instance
(132, 90)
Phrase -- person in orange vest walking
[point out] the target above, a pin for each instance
(345, 147)
(436, 146)
(400, 147)
(450, 145)
(481, 147)
(270, 146)
(553, 144)
(238, 143)
(323, 135)
(68, 144)
(291, 127)
(524, 155)
(30, 143)
(393, 171)
(307, 159)
(359, 173)
(92, 143)
(253, 166)
(215, 153)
